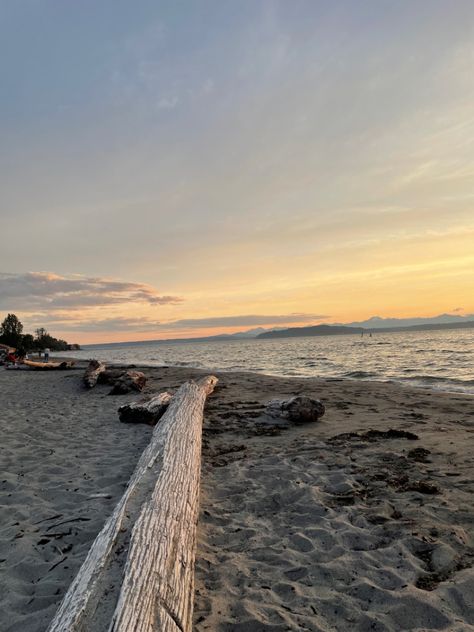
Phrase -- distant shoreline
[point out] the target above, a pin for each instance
(351, 331)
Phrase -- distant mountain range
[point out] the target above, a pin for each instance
(249, 334)
(376, 322)
(314, 330)
(371, 325)
(330, 330)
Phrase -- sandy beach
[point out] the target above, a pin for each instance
(361, 521)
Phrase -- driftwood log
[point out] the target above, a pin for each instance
(155, 521)
(129, 381)
(110, 376)
(92, 373)
(48, 366)
(146, 411)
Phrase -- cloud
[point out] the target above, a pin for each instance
(168, 103)
(245, 320)
(69, 323)
(34, 291)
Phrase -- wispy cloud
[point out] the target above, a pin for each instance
(70, 322)
(33, 291)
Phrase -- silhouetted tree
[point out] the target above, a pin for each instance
(28, 342)
(11, 330)
(40, 333)
(11, 334)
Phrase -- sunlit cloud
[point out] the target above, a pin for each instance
(32, 291)
(71, 322)
(276, 159)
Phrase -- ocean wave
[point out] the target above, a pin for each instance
(196, 364)
(360, 375)
(434, 379)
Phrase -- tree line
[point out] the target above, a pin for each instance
(11, 333)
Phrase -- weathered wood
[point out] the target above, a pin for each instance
(129, 381)
(158, 585)
(48, 366)
(145, 411)
(110, 376)
(156, 520)
(92, 373)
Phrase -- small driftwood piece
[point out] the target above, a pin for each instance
(155, 521)
(92, 373)
(129, 381)
(298, 409)
(48, 366)
(146, 411)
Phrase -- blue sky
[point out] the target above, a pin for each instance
(248, 157)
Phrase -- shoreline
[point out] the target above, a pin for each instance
(314, 527)
(82, 364)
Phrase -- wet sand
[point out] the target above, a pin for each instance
(314, 527)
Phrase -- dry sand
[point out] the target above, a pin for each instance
(314, 527)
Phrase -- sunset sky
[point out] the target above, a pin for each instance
(172, 169)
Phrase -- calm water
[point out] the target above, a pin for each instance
(440, 359)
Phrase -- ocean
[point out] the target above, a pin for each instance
(441, 360)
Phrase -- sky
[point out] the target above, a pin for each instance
(175, 169)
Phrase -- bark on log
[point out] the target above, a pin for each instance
(155, 593)
(146, 411)
(129, 381)
(92, 373)
(110, 376)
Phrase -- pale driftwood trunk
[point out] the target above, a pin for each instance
(48, 366)
(156, 521)
(129, 381)
(92, 373)
(147, 411)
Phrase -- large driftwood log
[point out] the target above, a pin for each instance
(156, 521)
(146, 411)
(129, 381)
(92, 373)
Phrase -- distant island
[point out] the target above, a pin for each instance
(337, 330)
(312, 330)
(371, 326)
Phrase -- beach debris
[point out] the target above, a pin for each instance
(151, 534)
(63, 559)
(122, 381)
(110, 376)
(78, 519)
(129, 381)
(299, 409)
(47, 519)
(376, 435)
(422, 487)
(442, 563)
(419, 454)
(47, 366)
(92, 373)
(145, 411)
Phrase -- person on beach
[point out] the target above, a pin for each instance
(11, 357)
(46, 355)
